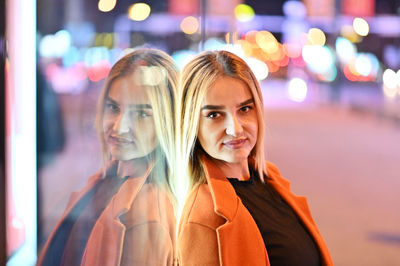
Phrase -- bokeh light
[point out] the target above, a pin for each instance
(139, 11)
(390, 92)
(345, 50)
(316, 36)
(363, 65)
(259, 68)
(189, 25)
(390, 79)
(266, 41)
(361, 26)
(319, 58)
(391, 83)
(106, 5)
(347, 31)
(214, 44)
(182, 57)
(55, 45)
(99, 70)
(297, 90)
(292, 49)
(294, 9)
(244, 12)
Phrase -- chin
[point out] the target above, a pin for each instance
(125, 157)
(238, 158)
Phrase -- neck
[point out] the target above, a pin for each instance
(238, 170)
(135, 167)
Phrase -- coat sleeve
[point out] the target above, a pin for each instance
(198, 245)
(147, 244)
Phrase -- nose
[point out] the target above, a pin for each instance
(122, 124)
(233, 126)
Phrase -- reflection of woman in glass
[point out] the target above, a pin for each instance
(240, 211)
(124, 215)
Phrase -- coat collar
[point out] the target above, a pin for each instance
(226, 201)
(109, 227)
(122, 201)
(223, 194)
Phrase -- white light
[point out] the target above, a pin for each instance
(345, 50)
(361, 26)
(318, 58)
(389, 79)
(297, 90)
(55, 45)
(259, 68)
(213, 44)
(62, 42)
(363, 65)
(182, 57)
(398, 79)
(46, 46)
(389, 92)
(235, 49)
(21, 123)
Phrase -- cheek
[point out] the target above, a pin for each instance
(209, 135)
(252, 125)
(107, 124)
(145, 131)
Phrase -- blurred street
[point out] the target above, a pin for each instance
(347, 164)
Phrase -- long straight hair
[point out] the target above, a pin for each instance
(156, 72)
(197, 76)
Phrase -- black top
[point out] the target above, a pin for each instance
(69, 242)
(286, 239)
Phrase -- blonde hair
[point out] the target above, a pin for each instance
(157, 74)
(197, 76)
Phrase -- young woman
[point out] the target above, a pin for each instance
(124, 215)
(239, 211)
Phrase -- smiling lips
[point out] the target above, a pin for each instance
(235, 144)
(115, 140)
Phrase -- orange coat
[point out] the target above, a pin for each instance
(217, 229)
(137, 227)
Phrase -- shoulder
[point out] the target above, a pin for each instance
(199, 208)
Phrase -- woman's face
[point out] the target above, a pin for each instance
(228, 123)
(128, 120)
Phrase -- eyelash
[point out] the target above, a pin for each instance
(213, 115)
(243, 109)
(138, 114)
(246, 108)
(112, 107)
(142, 114)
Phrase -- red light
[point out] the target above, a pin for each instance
(99, 70)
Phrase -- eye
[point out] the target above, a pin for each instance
(143, 114)
(111, 107)
(213, 115)
(246, 108)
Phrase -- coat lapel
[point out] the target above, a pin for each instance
(235, 247)
(106, 239)
(223, 194)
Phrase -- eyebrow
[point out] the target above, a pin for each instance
(137, 106)
(220, 107)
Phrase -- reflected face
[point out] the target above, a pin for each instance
(128, 123)
(228, 125)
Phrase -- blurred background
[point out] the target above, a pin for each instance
(329, 72)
